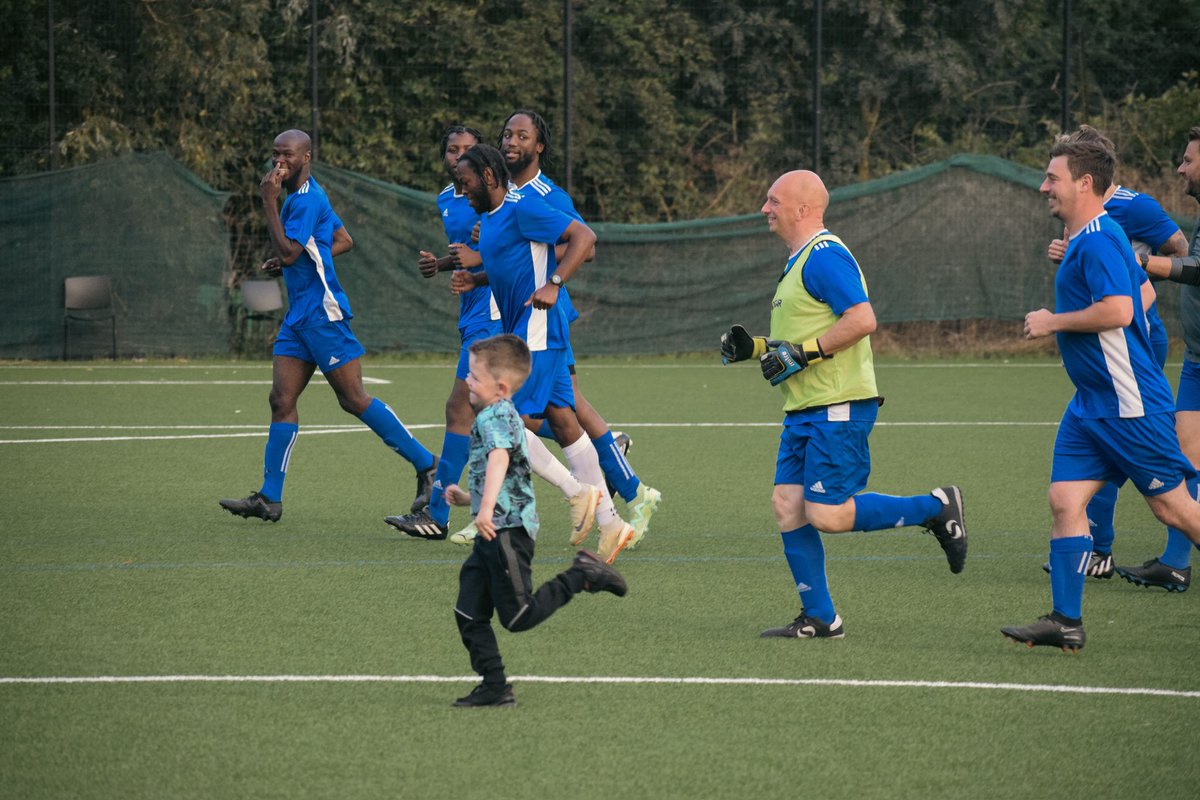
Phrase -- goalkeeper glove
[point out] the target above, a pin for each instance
(787, 359)
(737, 345)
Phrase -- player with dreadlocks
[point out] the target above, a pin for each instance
(518, 238)
(525, 143)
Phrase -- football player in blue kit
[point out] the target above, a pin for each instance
(1120, 423)
(478, 318)
(517, 239)
(1172, 570)
(1150, 230)
(306, 235)
(525, 144)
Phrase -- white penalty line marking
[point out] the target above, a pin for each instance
(609, 680)
(260, 434)
(325, 429)
(316, 378)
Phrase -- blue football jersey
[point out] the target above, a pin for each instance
(1114, 372)
(314, 294)
(831, 275)
(516, 240)
(555, 197)
(1142, 218)
(476, 309)
(1148, 228)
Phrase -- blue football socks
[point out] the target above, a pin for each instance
(1100, 513)
(281, 437)
(616, 468)
(455, 449)
(874, 512)
(1178, 553)
(380, 418)
(1068, 567)
(805, 554)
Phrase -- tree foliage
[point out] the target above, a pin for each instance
(679, 110)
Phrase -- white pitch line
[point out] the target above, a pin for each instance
(154, 427)
(612, 680)
(261, 434)
(366, 380)
(323, 429)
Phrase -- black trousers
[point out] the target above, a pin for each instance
(497, 576)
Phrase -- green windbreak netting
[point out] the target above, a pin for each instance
(143, 220)
(961, 239)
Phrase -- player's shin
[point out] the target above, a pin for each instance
(281, 438)
(1068, 567)
(548, 468)
(805, 554)
(615, 467)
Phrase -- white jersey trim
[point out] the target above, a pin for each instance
(1120, 371)
(538, 330)
(333, 312)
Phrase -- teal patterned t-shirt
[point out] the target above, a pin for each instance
(499, 427)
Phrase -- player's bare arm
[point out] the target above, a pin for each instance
(1173, 262)
(580, 240)
(342, 243)
(463, 281)
(560, 250)
(1058, 248)
(463, 257)
(855, 323)
(1148, 295)
(427, 264)
(1107, 313)
(286, 249)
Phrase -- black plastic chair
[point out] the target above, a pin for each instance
(89, 298)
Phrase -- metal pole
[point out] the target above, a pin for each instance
(1066, 66)
(567, 95)
(312, 60)
(816, 78)
(50, 81)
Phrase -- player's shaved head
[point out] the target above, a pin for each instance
(803, 187)
(297, 140)
(795, 206)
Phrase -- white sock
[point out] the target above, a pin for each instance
(549, 468)
(585, 465)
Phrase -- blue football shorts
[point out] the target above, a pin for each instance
(825, 450)
(469, 337)
(329, 345)
(1187, 398)
(1144, 450)
(548, 384)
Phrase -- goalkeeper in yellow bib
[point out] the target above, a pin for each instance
(819, 354)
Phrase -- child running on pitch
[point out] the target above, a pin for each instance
(497, 575)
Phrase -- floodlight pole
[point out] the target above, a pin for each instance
(567, 94)
(312, 60)
(816, 79)
(1066, 66)
(50, 80)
